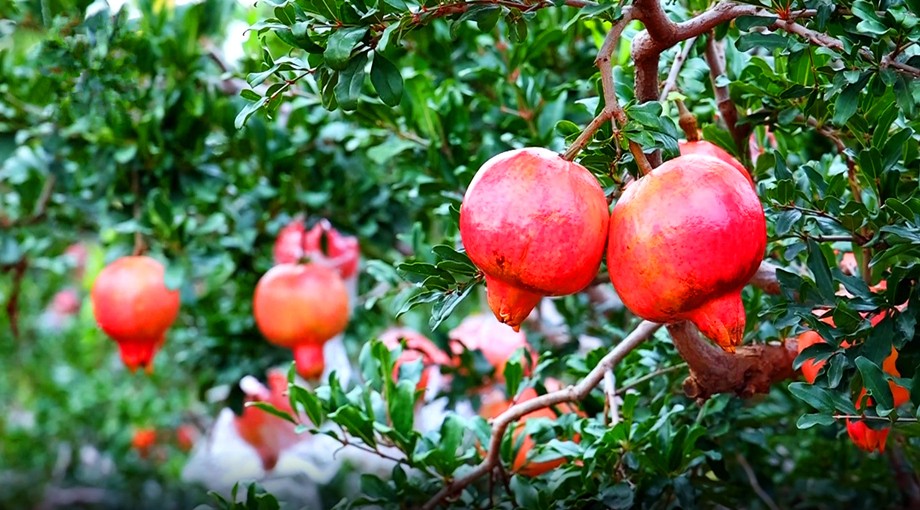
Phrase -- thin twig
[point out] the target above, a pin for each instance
(657, 373)
(610, 393)
(752, 478)
(715, 57)
(681, 57)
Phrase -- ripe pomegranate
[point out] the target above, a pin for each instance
(186, 436)
(684, 240)
(497, 342)
(322, 245)
(867, 438)
(534, 224)
(66, 302)
(810, 369)
(268, 434)
(143, 441)
(133, 306)
(495, 403)
(417, 346)
(301, 307)
(704, 148)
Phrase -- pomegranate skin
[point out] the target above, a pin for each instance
(704, 148)
(132, 306)
(301, 307)
(684, 240)
(535, 225)
(497, 342)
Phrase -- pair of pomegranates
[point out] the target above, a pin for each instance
(296, 305)
(681, 242)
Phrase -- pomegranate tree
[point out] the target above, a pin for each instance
(684, 240)
(301, 307)
(535, 225)
(134, 307)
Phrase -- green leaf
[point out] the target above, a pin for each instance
(514, 373)
(340, 45)
(875, 382)
(820, 270)
(806, 421)
(309, 402)
(387, 80)
(270, 409)
(247, 112)
(815, 396)
(351, 79)
(349, 417)
(402, 406)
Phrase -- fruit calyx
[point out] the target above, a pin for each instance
(535, 225)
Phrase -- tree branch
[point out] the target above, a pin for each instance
(715, 57)
(750, 370)
(643, 331)
(681, 57)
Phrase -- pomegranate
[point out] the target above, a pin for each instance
(301, 307)
(497, 342)
(143, 441)
(66, 302)
(186, 436)
(704, 148)
(133, 306)
(268, 434)
(810, 369)
(684, 240)
(867, 438)
(534, 224)
(417, 346)
(322, 245)
(495, 403)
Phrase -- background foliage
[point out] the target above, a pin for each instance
(376, 114)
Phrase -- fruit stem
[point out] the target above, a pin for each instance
(687, 122)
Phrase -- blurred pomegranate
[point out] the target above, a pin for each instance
(535, 225)
(301, 307)
(133, 306)
(497, 341)
(322, 245)
(268, 434)
(143, 441)
(417, 346)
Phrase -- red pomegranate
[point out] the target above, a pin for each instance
(497, 341)
(704, 148)
(133, 306)
(417, 346)
(143, 441)
(322, 245)
(867, 438)
(268, 434)
(301, 307)
(684, 240)
(534, 224)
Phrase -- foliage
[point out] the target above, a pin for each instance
(119, 129)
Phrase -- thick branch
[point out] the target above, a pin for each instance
(765, 278)
(750, 370)
(572, 393)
